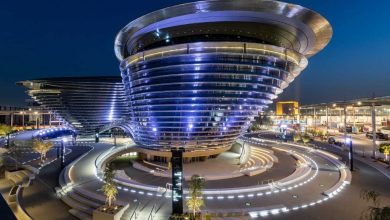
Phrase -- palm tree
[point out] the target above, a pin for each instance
(385, 149)
(41, 147)
(374, 211)
(195, 202)
(109, 186)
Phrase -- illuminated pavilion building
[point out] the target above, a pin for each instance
(196, 74)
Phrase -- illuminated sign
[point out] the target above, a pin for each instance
(287, 108)
(177, 180)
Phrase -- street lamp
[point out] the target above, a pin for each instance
(348, 141)
(113, 132)
(97, 135)
(62, 158)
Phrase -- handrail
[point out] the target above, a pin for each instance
(219, 47)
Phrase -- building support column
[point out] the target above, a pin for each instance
(345, 123)
(314, 115)
(23, 119)
(327, 122)
(373, 124)
(50, 119)
(11, 119)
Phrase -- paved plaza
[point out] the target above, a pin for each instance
(306, 200)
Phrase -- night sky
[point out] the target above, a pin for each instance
(75, 38)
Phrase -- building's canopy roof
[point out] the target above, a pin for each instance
(264, 21)
(384, 100)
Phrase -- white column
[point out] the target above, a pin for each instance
(11, 119)
(327, 122)
(314, 114)
(345, 123)
(373, 124)
(341, 116)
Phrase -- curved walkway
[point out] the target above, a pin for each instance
(326, 178)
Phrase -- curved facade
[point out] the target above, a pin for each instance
(85, 103)
(196, 74)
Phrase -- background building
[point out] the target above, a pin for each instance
(86, 104)
(357, 116)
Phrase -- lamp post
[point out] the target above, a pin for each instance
(97, 138)
(62, 158)
(58, 150)
(97, 135)
(348, 141)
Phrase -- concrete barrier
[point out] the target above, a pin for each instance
(21, 213)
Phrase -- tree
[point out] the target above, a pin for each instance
(16, 152)
(41, 147)
(297, 137)
(306, 138)
(195, 202)
(374, 211)
(320, 134)
(109, 186)
(385, 149)
(6, 131)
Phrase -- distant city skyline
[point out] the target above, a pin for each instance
(50, 39)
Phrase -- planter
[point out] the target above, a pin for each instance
(18, 177)
(11, 172)
(103, 213)
(12, 194)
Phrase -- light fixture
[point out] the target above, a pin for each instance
(348, 140)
